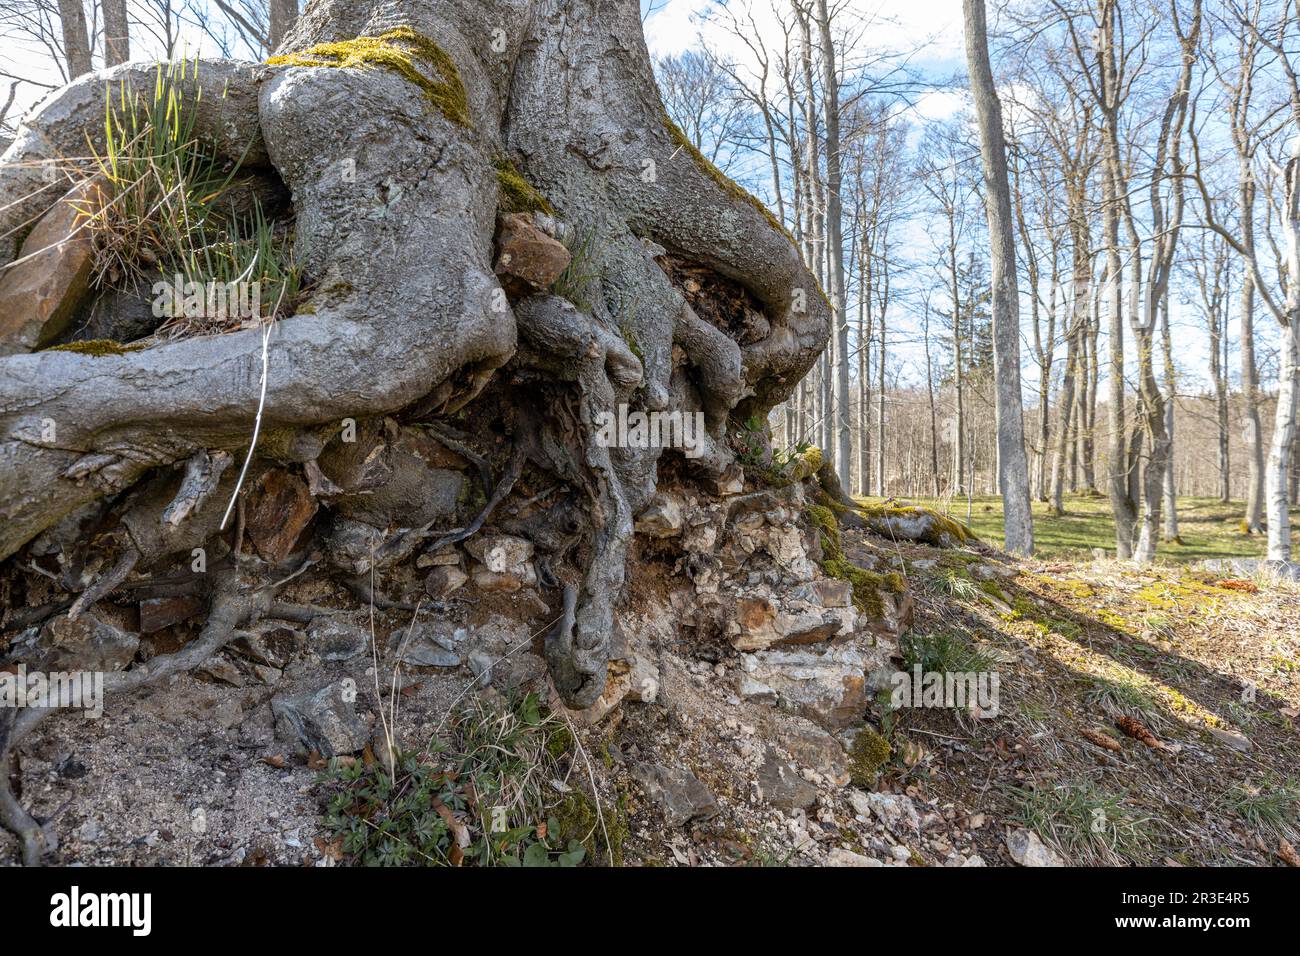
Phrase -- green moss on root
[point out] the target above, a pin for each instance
(395, 51)
(96, 347)
(943, 529)
(518, 194)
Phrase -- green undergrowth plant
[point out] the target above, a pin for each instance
(489, 790)
(1273, 806)
(161, 180)
(575, 282)
(944, 652)
(164, 224)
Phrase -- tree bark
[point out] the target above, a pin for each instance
(835, 242)
(283, 14)
(76, 41)
(117, 43)
(1013, 475)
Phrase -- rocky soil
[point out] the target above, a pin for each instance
(746, 720)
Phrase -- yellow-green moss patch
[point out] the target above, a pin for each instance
(396, 51)
(867, 585)
(518, 194)
(576, 818)
(95, 347)
(868, 754)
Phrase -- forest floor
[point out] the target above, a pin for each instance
(1142, 716)
(1208, 528)
(1147, 715)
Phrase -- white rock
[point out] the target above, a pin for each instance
(1027, 850)
(839, 856)
(896, 811)
(500, 553)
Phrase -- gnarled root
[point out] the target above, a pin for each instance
(235, 605)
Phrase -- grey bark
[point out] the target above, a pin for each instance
(76, 41)
(117, 43)
(282, 14)
(416, 314)
(1013, 474)
(835, 242)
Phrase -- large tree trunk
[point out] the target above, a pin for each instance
(1013, 474)
(1279, 452)
(396, 208)
(283, 14)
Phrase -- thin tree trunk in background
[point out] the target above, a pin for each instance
(1089, 410)
(864, 372)
(117, 44)
(283, 15)
(929, 391)
(959, 426)
(1171, 389)
(880, 413)
(1013, 475)
(76, 41)
(1253, 430)
(1068, 409)
(835, 243)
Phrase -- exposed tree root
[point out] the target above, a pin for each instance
(234, 605)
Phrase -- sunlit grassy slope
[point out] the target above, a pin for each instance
(1208, 528)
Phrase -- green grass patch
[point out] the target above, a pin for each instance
(1087, 823)
(1209, 528)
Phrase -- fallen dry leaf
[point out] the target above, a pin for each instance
(458, 829)
(275, 760)
(330, 849)
(316, 762)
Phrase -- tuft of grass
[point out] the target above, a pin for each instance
(1274, 806)
(162, 222)
(481, 793)
(162, 182)
(575, 282)
(1125, 692)
(960, 586)
(1087, 824)
(944, 652)
(253, 262)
